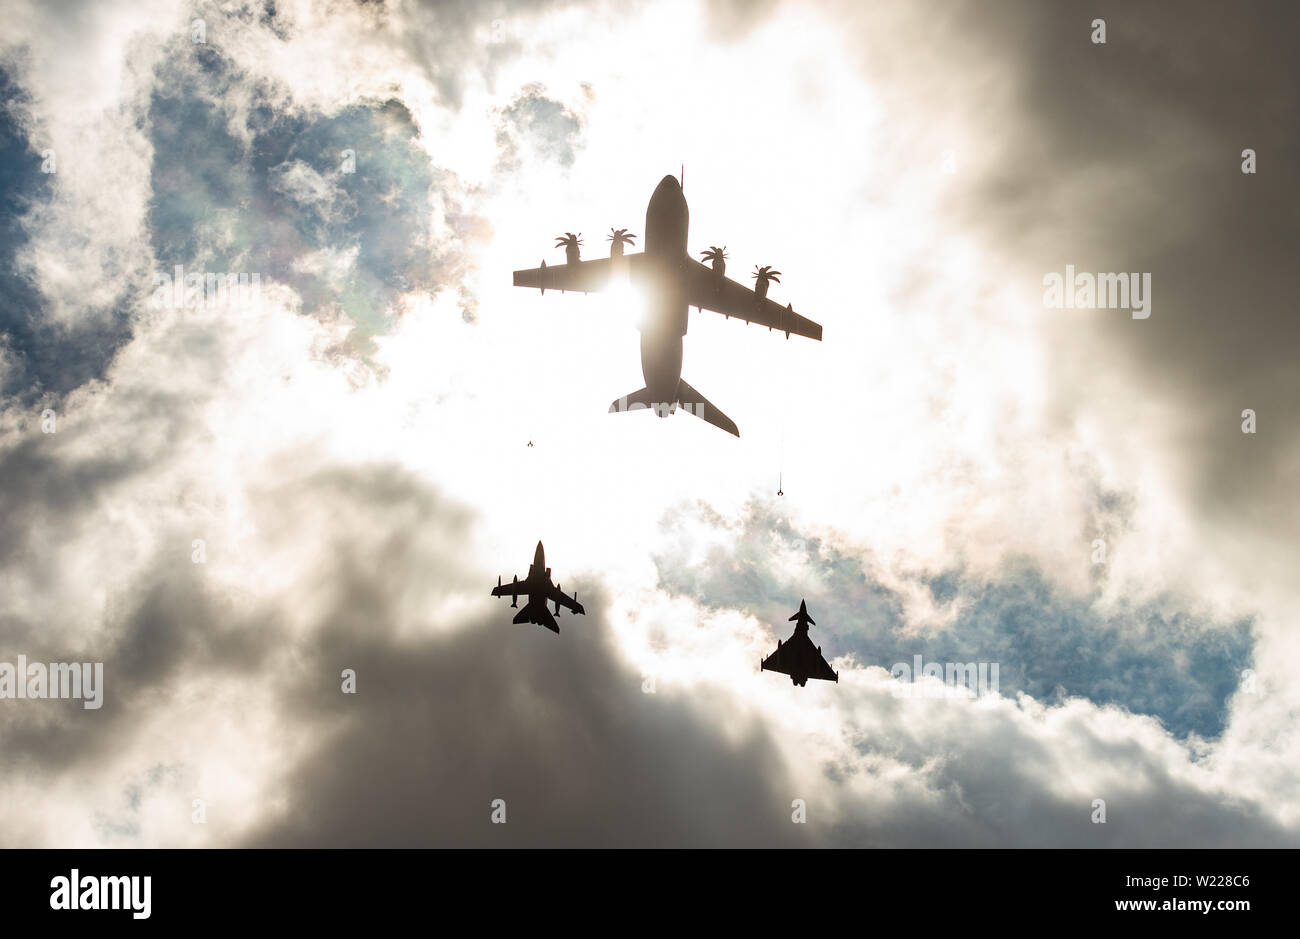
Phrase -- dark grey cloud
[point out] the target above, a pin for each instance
(480, 709)
(988, 783)
(557, 726)
(1126, 157)
(452, 715)
(165, 630)
(1159, 657)
(445, 722)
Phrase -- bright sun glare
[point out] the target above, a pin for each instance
(627, 302)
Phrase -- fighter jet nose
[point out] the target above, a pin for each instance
(669, 182)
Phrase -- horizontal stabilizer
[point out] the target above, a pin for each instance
(691, 400)
(636, 401)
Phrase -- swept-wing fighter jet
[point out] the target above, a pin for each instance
(539, 590)
(674, 282)
(797, 656)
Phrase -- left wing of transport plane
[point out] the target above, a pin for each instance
(587, 276)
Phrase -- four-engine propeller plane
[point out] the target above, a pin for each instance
(674, 282)
(797, 656)
(539, 590)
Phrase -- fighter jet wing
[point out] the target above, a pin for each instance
(586, 276)
(708, 291)
(509, 590)
(782, 660)
(822, 669)
(569, 603)
(798, 656)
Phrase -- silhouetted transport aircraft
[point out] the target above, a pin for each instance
(539, 590)
(673, 282)
(797, 656)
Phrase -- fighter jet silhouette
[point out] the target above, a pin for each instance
(797, 656)
(674, 282)
(539, 590)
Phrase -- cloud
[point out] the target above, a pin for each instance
(346, 454)
(37, 356)
(546, 127)
(313, 568)
(1050, 643)
(557, 727)
(1185, 90)
(278, 186)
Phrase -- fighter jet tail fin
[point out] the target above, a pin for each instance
(691, 400)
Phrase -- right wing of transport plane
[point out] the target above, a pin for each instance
(587, 276)
(709, 291)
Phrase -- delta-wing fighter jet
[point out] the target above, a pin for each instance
(797, 656)
(673, 282)
(539, 590)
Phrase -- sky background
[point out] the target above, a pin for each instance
(351, 448)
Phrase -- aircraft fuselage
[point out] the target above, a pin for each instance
(666, 222)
